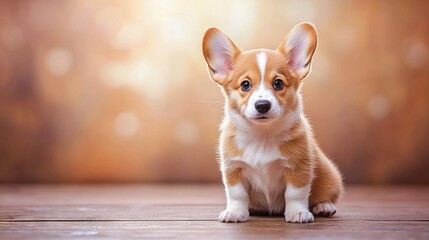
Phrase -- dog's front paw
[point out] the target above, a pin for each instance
(324, 209)
(234, 216)
(299, 217)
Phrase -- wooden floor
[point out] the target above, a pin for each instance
(191, 211)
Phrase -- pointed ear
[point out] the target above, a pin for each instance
(298, 47)
(220, 53)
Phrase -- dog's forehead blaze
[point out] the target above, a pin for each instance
(250, 64)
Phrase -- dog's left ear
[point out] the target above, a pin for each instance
(220, 53)
(298, 48)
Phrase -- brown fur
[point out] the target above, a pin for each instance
(234, 176)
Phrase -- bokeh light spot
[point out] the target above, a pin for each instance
(58, 61)
(113, 74)
(378, 106)
(416, 55)
(128, 36)
(126, 124)
(141, 76)
(109, 19)
(187, 132)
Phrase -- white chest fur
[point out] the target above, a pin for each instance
(258, 148)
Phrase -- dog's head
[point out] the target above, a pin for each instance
(261, 85)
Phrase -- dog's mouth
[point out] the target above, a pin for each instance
(261, 118)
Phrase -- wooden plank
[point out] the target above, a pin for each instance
(191, 211)
(362, 212)
(60, 194)
(214, 230)
(111, 212)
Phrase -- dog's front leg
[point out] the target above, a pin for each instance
(237, 209)
(297, 204)
(296, 196)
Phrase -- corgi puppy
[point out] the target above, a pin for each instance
(269, 158)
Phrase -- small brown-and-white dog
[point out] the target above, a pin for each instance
(269, 158)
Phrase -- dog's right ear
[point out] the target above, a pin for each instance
(299, 46)
(220, 53)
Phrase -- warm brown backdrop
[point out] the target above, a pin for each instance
(118, 90)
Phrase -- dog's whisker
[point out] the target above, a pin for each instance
(212, 102)
(305, 99)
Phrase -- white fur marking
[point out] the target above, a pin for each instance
(237, 196)
(237, 208)
(297, 198)
(258, 148)
(261, 58)
(297, 204)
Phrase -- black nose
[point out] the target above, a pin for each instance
(262, 106)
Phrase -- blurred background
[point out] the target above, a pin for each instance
(118, 91)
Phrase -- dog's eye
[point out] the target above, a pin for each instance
(246, 85)
(278, 84)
